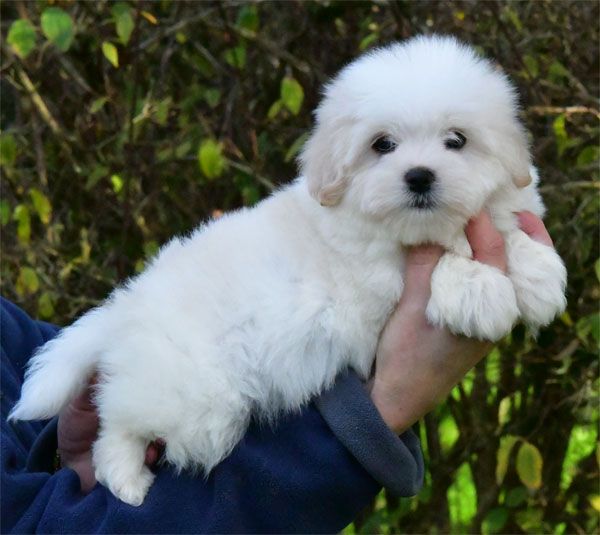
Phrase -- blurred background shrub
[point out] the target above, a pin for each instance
(124, 123)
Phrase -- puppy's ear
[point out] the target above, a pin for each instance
(326, 159)
(512, 149)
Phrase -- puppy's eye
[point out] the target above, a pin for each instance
(383, 145)
(456, 141)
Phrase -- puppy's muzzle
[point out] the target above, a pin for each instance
(419, 179)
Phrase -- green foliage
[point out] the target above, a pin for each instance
(504, 450)
(210, 157)
(8, 149)
(494, 521)
(462, 499)
(57, 26)
(112, 55)
(529, 466)
(141, 119)
(124, 22)
(292, 94)
(21, 37)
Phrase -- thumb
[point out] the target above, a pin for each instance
(420, 263)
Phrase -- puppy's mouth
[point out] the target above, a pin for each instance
(422, 202)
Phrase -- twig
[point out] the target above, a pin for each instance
(40, 161)
(248, 170)
(567, 110)
(173, 29)
(70, 68)
(39, 103)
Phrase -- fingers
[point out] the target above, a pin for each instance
(420, 263)
(486, 242)
(154, 452)
(533, 226)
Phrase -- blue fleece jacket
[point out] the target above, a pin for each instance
(312, 473)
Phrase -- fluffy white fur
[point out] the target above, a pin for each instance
(257, 312)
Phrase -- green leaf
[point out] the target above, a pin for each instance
(4, 212)
(124, 22)
(97, 173)
(529, 466)
(588, 325)
(21, 37)
(251, 195)
(86, 248)
(296, 146)
(511, 15)
(530, 520)
(532, 65)
(248, 18)
(236, 57)
(588, 155)
(98, 104)
(46, 306)
(23, 219)
(449, 433)
(557, 71)
(41, 204)
(150, 249)
(211, 160)
(212, 97)
(582, 443)
(8, 149)
(274, 109)
(110, 53)
(27, 281)
(504, 410)
(494, 521)
(560, 134)
(462, 498)
(367, 41)
(183, 149)
(117, 183)
(58, 27)
(506, 445)
(597, 268)
(516, 497)
(492, 366)
(161, 112)
(292, 94)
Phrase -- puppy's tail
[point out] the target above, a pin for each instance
(61, 368)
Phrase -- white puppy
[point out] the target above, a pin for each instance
(257, 312)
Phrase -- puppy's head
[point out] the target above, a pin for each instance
(419, 132)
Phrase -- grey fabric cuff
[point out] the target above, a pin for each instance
(396, 462)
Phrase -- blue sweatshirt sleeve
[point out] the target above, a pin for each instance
(312, 473)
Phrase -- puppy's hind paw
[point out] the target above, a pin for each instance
(119, 465)
(132, 490)
(472, 299)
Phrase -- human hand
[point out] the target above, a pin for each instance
(78, 429)
(417, 365)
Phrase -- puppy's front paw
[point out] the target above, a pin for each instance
(472, 298)
(539, 278)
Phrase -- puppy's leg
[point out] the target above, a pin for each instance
(539, 278)
(118, 457)
(472, 298)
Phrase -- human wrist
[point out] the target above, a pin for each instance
(396, 410)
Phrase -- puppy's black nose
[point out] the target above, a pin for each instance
(419, 179)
